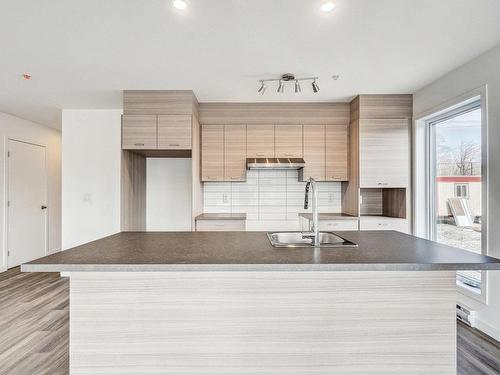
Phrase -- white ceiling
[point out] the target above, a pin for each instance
(82, 53)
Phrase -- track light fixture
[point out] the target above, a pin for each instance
(315, 86)
(286, 78)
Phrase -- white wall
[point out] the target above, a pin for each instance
(168, 194)
(91, 161)
(23, 130)
(481, 71)
(271, 199)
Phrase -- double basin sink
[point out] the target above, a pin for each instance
(298, 239)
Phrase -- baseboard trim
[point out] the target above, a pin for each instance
(487, 329)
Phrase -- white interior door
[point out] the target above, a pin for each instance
(26, 203)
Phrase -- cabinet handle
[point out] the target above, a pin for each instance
(260, 154)
(288, 154)
(335, 178)
(210, 178)
(138, 144)
(220, 225)
(383, 183)
(173, 144)
(382, 224)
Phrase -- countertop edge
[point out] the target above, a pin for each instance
(254, 267)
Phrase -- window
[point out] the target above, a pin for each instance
(456, 184)
(462, 191)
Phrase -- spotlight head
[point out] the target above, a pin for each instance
(262, 88)
(281, 87)
(297, 86)
(315, 86)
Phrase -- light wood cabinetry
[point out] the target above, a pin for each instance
(139, 132)
(260, 141)
(212, 150)
(174, 132)
(384, 153)
(314, 152)
(288, 141)
(235, 146)
(337, 148)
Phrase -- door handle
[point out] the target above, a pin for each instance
(44, 207)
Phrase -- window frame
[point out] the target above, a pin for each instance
(446, 112)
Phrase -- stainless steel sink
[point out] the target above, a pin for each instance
(301, 239)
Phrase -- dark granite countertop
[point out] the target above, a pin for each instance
(221, 216)
(251, 251)
(329, 216)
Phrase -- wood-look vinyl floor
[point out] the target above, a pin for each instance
(34, 323)
(34, 329)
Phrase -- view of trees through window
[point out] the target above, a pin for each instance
(457, 185)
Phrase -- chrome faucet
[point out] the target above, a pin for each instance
(314, 229)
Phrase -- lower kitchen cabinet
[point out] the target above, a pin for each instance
(330, 225)
(384, 223)
(333, 225)
(220, 225)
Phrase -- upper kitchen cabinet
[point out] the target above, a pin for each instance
(260, 141)
(314, 152)
(174, 132)
(235, 146)
(384, 153)
(337, 152)
(288, 141)
(139, 132)
(158, 120)
(212, 153)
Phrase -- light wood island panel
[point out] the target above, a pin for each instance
(297, 323)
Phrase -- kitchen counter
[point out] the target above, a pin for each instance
(329, 216)
(251, 251)
(221, 216)
(248, 321)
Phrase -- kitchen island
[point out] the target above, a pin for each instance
(230, 303)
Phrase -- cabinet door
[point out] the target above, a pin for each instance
(212, 153)
(174, 132)
(235, 152)
(314, 152)
(288, 141)
(260, 141)
(139, 132)
(337, 152)
(384, 153)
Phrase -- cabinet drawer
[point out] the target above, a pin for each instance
(220, 225)
(332, 225)
(384, 223)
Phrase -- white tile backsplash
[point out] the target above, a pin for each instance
(271, 199)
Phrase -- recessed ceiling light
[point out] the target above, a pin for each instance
(179, 4)
(328, 6)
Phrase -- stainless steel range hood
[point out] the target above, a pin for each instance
(275, 163)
